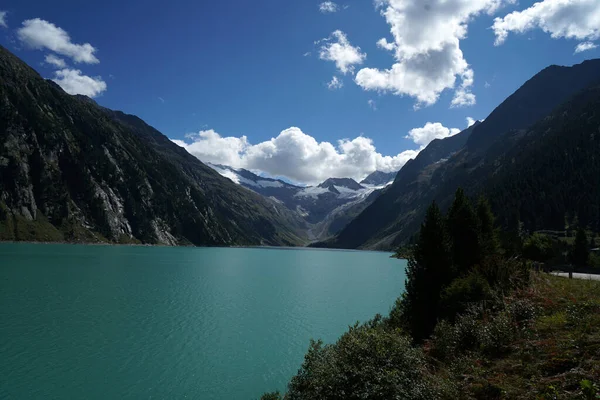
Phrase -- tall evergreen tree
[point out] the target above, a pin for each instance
(488, 235)
(428, 272)
(463, 229)
(580, 253)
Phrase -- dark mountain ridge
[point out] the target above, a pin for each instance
(379, 178)
(71, 170)
(397, 213)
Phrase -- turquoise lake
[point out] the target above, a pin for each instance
(117, 322)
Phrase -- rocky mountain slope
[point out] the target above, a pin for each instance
(71, 170)
(379, 178)
(327, 207)
(479, 151)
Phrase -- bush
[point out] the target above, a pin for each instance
(450, 341)
(594, 260)
(496, 335)
(522, 310)
(539, 247)
(366, 363)
(463, 292)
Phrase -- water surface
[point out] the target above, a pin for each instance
(108, 322)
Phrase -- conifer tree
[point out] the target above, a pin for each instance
(488, 235)
(428, 272)
(463, 229)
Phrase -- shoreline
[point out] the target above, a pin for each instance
(191, 246)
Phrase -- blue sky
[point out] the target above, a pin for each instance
(240, 68)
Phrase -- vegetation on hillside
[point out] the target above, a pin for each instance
(473, 323)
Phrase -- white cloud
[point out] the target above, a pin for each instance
(463, 96)
(339, 50)
(384, 44)
(423, 136)
(328, 7)
(296, 155)
(585, 46)
(161, 99)
(56, 61)
(307, 54)
(570, 19)
(470, 122)
(3, 19)
(426, 48)
(73, 82)
(335, 84)
(39, 34)
(372, 104)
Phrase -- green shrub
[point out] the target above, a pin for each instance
(522, 310)
(444, 341)
(496, 334)
(271, 396)
(462, 293)
(366, 363)
(450, 341)
(594, 260)
(538, 247)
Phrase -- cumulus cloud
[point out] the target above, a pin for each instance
(463, 96)
(3, 19)
(570, 19)
(337, 48)
(426, 47)
(432, 130)
(335, 84)
(470, 122)
(55, 61)
(327, 7)
(74, 82)
(585, 46)
(295, 155)
(39, 34)
(372, 104)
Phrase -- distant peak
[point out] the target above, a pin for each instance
(343, 182)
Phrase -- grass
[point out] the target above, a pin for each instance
(553, 355)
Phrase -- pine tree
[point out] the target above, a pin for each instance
(488, 235)
(463, 229)
(580, 253)
(428, 272)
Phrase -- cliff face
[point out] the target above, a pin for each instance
(74, 171)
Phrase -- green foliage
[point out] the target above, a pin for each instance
(594, 260)
(488, 233)
(538, 247)
(368, 362)
(427, 273)
(589, 390)
(463, 229)
(404, 252)
(462, 293)
(580, 252)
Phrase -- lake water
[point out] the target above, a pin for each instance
(108, 322)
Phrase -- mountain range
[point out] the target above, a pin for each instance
(72, 170)
(326, 208)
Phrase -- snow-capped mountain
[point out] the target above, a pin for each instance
(379, 178)
(326, 207)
